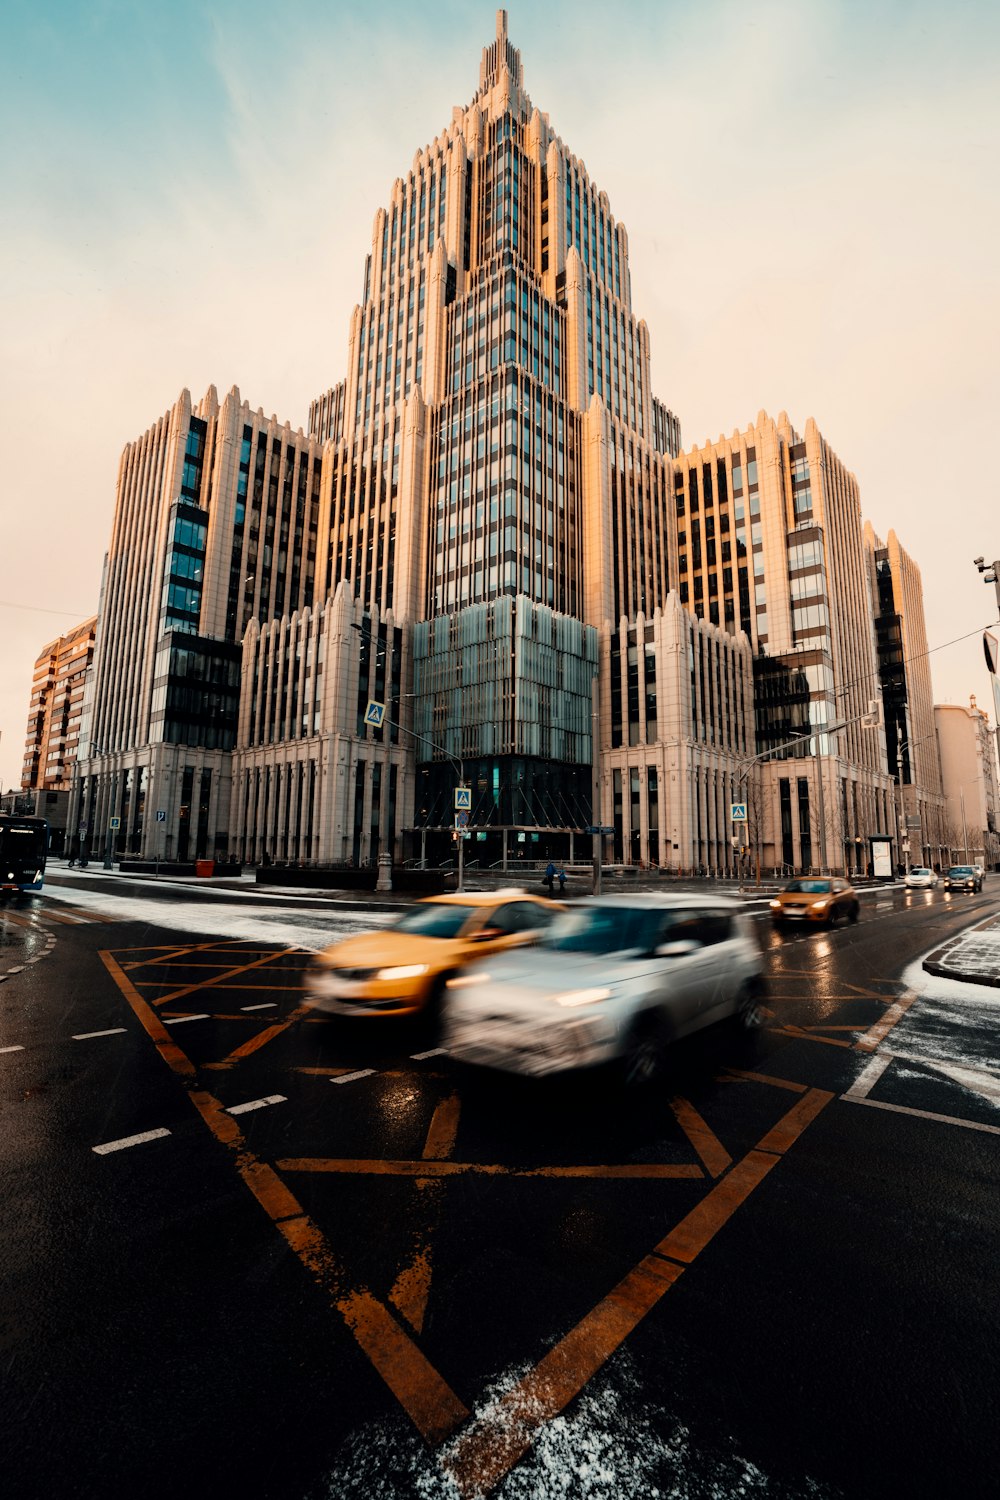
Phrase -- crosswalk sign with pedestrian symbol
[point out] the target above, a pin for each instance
(463, 799)
(738, 812)
(374, 713)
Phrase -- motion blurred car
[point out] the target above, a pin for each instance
(962, 878)
(920, 878)
(816, 899)
(401, 969)
(615, 979)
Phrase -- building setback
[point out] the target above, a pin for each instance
(216, 517)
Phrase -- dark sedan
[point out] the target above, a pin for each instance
(963, 878)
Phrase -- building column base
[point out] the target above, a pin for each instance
(384, 881)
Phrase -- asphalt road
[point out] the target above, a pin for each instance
(250, 1252)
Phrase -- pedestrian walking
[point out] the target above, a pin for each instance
(550, 875)
(562, 881)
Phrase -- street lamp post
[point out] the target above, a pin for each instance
(904, 837)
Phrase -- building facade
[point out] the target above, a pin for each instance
(770, 542)
(967, 747)
(216, 523)
(57, 690)
(488, 562)
(907, 698)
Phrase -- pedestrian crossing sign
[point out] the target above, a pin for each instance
(374, 713)
(463, 799)
(738, 812)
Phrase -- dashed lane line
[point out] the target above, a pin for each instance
(129, 1140)
(244, 1109)
(18, 1048)
(350, 1077)
(265, 1005)
(86, 1036)
(179, 1020)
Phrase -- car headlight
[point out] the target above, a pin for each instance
(582, 997)
(776, 905)
(403, 971)
(819, 905)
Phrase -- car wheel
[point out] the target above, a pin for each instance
(642, 1059)
(748, 1010)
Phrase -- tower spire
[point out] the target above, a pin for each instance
(499, 55)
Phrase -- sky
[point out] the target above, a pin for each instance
(809, 188)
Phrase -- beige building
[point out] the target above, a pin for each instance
(967, 747)
(57, 689)
(770, 542)
(215, 524)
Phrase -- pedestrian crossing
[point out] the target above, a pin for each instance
(69, 916)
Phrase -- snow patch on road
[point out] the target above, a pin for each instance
(290, 928)
(951, 1022)
(612, 1445)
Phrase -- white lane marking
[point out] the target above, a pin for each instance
(178, 1020)
(85, 1036)
(922, 1114)
(350, 1077)
(434, 1052)
(267, 1005)
(869, 1076)
(242, 1109)
(12, 1049)
(18, 970)
(129, 1140)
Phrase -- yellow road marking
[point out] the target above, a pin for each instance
(257, 1042)
(778, 1083)
(442, 1130)
(170, 956)
(809, 1036)
(877, 1033)
(429, 1401)
(492, 1444)
(412, 1286)
(424, 1168)
(496, 1440)
(704, 1140)
(189, 989)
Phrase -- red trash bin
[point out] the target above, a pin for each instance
(204, 867)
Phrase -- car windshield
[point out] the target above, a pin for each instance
(919, 870)
(605, 929)
(438, 919)
(961, 870)
(809, 887)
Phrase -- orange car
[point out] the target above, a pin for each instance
(816, 899)
(402, 969)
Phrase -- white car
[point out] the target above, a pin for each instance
(920, 878)
(614, 979)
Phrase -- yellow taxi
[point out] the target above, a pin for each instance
(816, 899)
(402, 969)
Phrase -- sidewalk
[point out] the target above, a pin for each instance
(973, 957)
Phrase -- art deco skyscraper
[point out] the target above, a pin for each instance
(497, 469)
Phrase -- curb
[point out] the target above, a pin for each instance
(937, 962)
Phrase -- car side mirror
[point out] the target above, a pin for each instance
(679, 948)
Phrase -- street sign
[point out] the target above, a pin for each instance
(737, 812)
(603, 828)
(913, 823)
(161, 816)
(374, 713)
(463, 798)
(461, 820)
(114, 822)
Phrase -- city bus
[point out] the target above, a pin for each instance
(24, 843)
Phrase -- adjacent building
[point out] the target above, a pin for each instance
(967, 748)
(216, 523)
(57, 689)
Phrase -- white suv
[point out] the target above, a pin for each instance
(613, 979)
